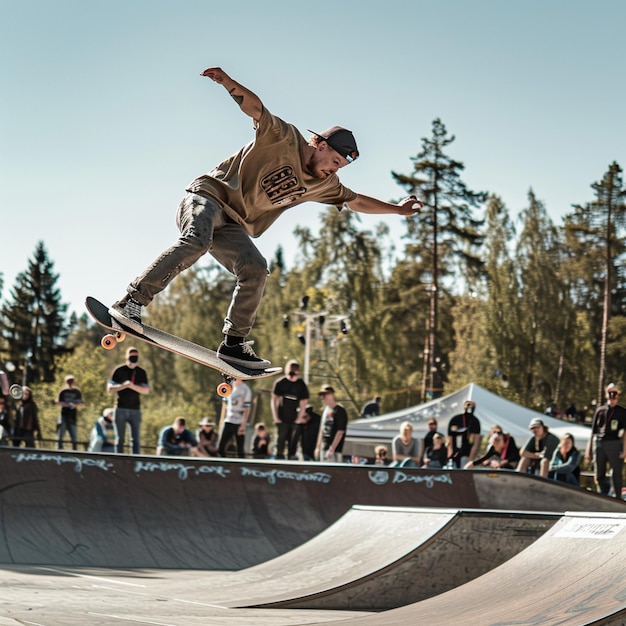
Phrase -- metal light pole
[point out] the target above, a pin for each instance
(308, 332)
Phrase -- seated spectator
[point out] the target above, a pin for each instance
(564, 465)
(510, 454)
(436, 456)
(177, 440)
(539, 449)
(103, 437)
(372, 408)
(427, 441)
(405, 447)
(502, 452)
(207, 438)
(380, 456)
(261, 442)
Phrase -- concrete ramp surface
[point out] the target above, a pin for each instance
(574, 574)
(377, 558)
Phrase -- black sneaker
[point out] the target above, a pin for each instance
(128, 312)
(242, 355)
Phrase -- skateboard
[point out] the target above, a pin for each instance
(182, 347)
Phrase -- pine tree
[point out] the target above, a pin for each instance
(543, 307)
(487, 324)
(502, 307)
(33, 320)
(446, 227)
(599, 226)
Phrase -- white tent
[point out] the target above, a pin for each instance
(491, 409)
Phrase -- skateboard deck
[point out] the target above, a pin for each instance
(182, 347)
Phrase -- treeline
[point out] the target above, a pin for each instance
(530, 309)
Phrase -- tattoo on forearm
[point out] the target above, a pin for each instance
(237, 99)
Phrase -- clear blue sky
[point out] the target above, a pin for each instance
(104, 118)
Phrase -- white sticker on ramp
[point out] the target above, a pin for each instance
(591, 529)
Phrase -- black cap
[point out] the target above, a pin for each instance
(340, 139)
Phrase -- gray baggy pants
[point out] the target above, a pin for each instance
(205, 228)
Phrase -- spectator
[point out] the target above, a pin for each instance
(238, 405)
(538, 451)
(571, 413)
(372, 408)
(26, 420)
(307, 432)
(289, 400)
(207, 438)
(502, 452)
(608, 442)
(427, 441)
(464, 436)
(4, 383)
(564, 465)
(5, 422)
(333, 427)
(129, 382)
(510, 455)
(177, 440)
(261, 442)
(436, 456)
(103, 435)
(380, 456)
(69, 399)
(405, 448)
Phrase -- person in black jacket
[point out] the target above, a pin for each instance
(608, 443)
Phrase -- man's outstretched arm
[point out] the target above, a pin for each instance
(367, 204)
(249, 102)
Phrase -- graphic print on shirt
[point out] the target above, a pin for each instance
(282, 186)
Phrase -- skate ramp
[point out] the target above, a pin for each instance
(573, 574)
(108, 510)
(377, 558)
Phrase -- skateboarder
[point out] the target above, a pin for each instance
(241, 198)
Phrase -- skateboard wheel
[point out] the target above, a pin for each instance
(224, 390)
(120, 336)
(108, 342)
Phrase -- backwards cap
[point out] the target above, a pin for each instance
(342, 140)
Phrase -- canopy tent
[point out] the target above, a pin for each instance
(364, 434)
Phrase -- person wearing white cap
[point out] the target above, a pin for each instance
(608, 443)
(104, 432)
(207, 438)
(69, 399)
(334, 424)
(241, 198)
(539, 450)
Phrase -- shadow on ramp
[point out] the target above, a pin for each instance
(574, 574)
(377, 558)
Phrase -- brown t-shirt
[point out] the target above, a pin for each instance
(266, 177)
